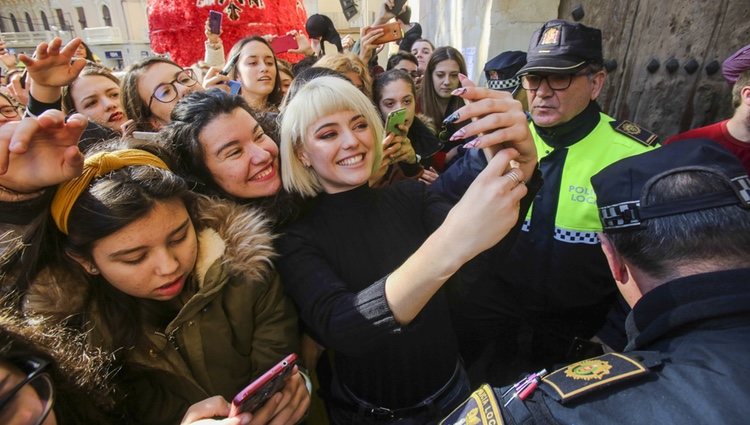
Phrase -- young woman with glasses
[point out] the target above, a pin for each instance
(151, 88)
(48, 377)
(9, 109)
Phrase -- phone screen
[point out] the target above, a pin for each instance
(214, 22)
(395, 118)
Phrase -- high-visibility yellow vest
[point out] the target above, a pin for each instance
(576, 217)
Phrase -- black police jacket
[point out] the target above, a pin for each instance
(698, 328)
(687, 362)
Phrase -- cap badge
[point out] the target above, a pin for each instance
(551, 36)
(588, 370)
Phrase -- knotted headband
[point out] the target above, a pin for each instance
(96, 166)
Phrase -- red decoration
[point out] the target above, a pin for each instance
(177, 26)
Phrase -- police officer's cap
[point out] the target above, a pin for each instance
(562, 47)
(623, 187)
(501, 70)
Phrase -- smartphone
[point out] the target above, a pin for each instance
(259, 391)
(214, 22)
(230, 64)
(283, 44)
(234, 87)
(146, 135)
(391, 32)
(394, 119)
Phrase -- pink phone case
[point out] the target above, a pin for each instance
(283, 44)
(259, 391)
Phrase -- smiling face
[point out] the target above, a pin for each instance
(241, 158)
(339, 147)
(423, 51)
(150, 258)
(445, 78)
(98, 98)
(162, 73)
(396, 95)
(256, 70)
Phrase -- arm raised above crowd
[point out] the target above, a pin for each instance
(52, 67)
(36, 153)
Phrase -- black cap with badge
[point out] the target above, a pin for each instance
(623, 187)
(501, 70)
(562, 47)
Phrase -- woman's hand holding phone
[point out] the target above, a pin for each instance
(203, 412)
(214, 79)
(286, 407)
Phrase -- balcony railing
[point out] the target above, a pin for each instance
(30, 38)
(102, 35)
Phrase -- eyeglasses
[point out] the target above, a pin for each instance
(37, 379)
(554, 81)
(167, 92)
(9, 111)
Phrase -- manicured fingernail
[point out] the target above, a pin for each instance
(459, 134)
(459, 91)
(472, 144)
(452, 118)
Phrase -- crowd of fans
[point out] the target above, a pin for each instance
(169, 234)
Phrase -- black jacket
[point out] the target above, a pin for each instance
(699, 326)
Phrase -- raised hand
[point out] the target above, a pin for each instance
(36, 153)
(500, 123)
(53, 66)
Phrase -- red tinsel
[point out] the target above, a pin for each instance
(177, 26)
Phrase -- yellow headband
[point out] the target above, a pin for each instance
(96, 166)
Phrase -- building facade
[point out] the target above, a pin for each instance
(115, 30)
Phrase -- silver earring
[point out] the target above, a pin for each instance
(93, 270)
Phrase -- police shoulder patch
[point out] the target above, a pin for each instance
(481, 408)
(591, 375)
(635, 132)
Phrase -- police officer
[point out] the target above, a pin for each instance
(501, 73)
(676, 224)
(556, 283)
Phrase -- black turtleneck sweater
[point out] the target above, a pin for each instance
(334, 262)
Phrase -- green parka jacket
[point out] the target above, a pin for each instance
(236, 326)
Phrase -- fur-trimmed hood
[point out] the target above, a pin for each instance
(237, 235)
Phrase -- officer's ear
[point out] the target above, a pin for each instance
(597, 82)
(620, 270)
(615, 261)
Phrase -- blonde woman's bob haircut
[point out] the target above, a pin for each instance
(319, 98)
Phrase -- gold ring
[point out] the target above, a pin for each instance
(513, 176)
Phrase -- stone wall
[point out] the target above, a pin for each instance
(638, 31)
